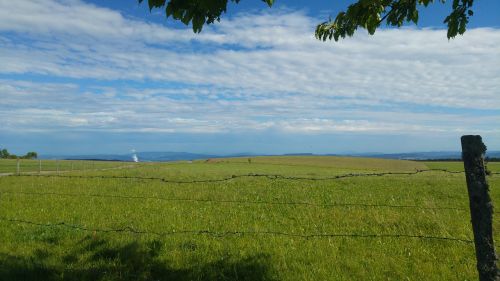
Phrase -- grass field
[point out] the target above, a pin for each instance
(276, 218)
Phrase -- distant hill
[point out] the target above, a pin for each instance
(143, 156)
(177, 156)
(426, 155)
(172, 156)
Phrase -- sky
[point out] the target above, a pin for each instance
(86, 77)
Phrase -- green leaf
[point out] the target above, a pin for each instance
(198, 22)
(155, 4)
(169, 10)
(269, 2)
(414, 17)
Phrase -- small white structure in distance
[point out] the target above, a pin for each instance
(134, 156)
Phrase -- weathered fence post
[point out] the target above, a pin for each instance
(18, 167)
(40, 166)
(57, 166)
(481, 207)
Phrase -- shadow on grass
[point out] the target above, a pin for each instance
(96, 259)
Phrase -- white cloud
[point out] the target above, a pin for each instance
(51, 107)
(261, 71)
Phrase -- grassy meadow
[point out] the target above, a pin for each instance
(270, 218)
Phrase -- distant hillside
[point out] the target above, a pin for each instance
(172, 156)
(176, 156)
(427, 155)
(143, 156)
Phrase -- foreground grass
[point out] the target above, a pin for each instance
(251, 206)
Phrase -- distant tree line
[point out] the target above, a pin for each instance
(4, 154)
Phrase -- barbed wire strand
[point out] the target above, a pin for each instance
(221, 234)
(268, 176)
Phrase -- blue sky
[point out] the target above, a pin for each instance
(79, 77)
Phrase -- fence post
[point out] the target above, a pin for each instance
(18, 167)
(481, 207)
(57, 166)
(40, 166)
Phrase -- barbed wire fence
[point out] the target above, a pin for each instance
(238, 233)
(31, 166)
(51, 167)
(232, 177)
(481, 207)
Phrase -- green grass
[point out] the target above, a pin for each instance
(356, 205)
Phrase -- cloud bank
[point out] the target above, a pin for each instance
(70, 65)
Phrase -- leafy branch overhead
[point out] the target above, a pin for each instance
(367, 14)
(370, 14)
(197, 12)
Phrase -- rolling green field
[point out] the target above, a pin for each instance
(276, 218)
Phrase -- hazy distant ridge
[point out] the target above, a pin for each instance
(176, 156)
